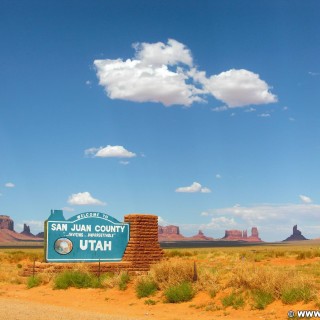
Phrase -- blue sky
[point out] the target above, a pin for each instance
(204, 113)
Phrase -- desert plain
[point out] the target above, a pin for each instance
(252, 282)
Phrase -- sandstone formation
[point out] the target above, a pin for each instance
(296, 235)
(6, 223)
(7, 233)
(169, 233)
(201, 237)
(26, 231)
(238, 235)
(40, 235)
(172, 233)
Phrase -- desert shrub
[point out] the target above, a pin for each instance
(179, 293)
(75, 279)
(262, 299)
(33, 282)
(208, 279)
(16, 256)
(295, 294)
(124, 278)
(233, 300)
(150, 302)
(178, 253)
(173, 272)
(304, 255)
(145, 287)
(248, 277)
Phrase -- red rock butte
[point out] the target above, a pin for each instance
(239, 235)
(7, 233)
(172, 233)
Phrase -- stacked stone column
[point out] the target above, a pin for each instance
(143, 248)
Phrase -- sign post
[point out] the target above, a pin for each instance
(85, 237)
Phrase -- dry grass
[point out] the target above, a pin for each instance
(261, 273)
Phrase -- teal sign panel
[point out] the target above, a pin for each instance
(85, 237)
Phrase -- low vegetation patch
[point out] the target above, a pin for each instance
(33, 282)
(123, 281)
(179, 293)
(296, 294)
(170, 273)
(233, 300)
(262, 299)
(145, 287)
(75, 279)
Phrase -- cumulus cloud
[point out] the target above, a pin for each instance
(165, 73)
(270, 213)
(195, 187)
(305, 199)
(84, 198)
(110, 152)
(9, 185)
(264, 115)
(238, 88)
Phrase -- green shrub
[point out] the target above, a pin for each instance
(123, 281)
(33, 282)
(294, 295)
(179, 293)
(75, 279)
(233, 300)
(150, 302)
(262, 299)
(145, 287)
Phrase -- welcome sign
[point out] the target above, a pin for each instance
(88, 236)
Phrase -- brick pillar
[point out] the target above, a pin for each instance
(143, 248)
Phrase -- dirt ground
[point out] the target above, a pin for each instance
(17, 303)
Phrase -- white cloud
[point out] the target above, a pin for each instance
(162, 222)
(239, 88)
(9, 185)
(270, 213)
(125, 163)
(314, 73)
(305, 199)
(36, 226)
(250, 110)
(159, 54)
(205, 190)
(221, 222)
(165, 73)
(218, 176)
(84, 198)
(150, 76)
(195, 187)
(110, 152)
(219, 109)
(292, 119)
(264, 115)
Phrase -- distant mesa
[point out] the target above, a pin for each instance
(7, 233)
(172, 233)
(238, 235)
(6, 223)
(296, 235)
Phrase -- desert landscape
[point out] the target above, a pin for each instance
(252, 282)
